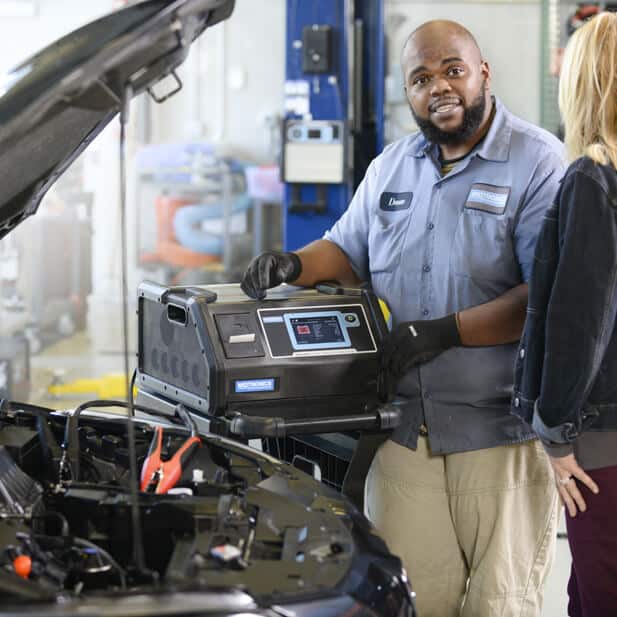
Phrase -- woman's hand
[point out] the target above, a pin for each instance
(566, 470)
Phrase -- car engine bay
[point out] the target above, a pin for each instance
(237, 519)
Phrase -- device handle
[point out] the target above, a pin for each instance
(383, 418)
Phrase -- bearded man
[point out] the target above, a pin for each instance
(443, 226)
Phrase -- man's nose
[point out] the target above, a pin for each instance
(439, 86)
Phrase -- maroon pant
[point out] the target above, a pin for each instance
(593, 543)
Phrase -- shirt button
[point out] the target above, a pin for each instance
(521, 353)
(426, 268)
(517, 402)
(425, 312)
(430, 226)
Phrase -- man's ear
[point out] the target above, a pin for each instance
(486, 70)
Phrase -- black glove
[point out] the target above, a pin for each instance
(415, 342)
(269, 270)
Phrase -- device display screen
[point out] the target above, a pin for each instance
(323, 330)
(311, 330)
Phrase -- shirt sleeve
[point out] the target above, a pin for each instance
(350, 232)
(538, 197)
(583, 301)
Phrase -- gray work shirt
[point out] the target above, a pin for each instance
(432, 245)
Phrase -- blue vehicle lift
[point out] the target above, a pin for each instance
(334, 98)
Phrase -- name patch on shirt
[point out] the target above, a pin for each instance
(391, 202)
(488, 198)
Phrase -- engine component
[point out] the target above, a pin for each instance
(240, 519)
(19, 494)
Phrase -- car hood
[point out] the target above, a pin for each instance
(55, 103)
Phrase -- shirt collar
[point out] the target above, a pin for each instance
(494, 147)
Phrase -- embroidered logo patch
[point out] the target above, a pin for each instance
(391, 202)
(488, 198)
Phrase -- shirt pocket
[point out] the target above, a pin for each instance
(386, 238)
(482, 246)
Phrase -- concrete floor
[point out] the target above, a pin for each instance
(66, 361)
(74, 358)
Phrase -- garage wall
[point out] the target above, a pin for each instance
(21, 37)
(233, 83)
(509, 35)
(234, 76)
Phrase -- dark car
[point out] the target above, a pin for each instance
(240, 532)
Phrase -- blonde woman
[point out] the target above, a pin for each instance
(566, 373)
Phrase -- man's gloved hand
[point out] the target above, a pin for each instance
(269, 270)
(415, 342)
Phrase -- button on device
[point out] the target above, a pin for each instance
(351, 319)
(242, 338)
(426, 268)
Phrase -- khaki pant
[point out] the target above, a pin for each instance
(475, 530)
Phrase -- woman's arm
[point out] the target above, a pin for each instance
(582, 306)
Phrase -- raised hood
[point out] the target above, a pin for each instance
(54, 104)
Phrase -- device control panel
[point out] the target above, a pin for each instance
(314, 132)
(314, 152)
(314, 331)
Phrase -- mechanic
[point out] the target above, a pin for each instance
(443, 226)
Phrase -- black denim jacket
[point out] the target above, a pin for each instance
(566, 368)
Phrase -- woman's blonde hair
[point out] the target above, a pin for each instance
(588, 90)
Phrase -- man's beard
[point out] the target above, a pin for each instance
(472, 120)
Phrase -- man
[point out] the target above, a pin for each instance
(443, 226)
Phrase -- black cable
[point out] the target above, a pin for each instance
(71, 434)
(65, 529)
(83, 543)
(138, 548)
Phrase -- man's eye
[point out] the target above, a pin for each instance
(455, 71)
(420, 80)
